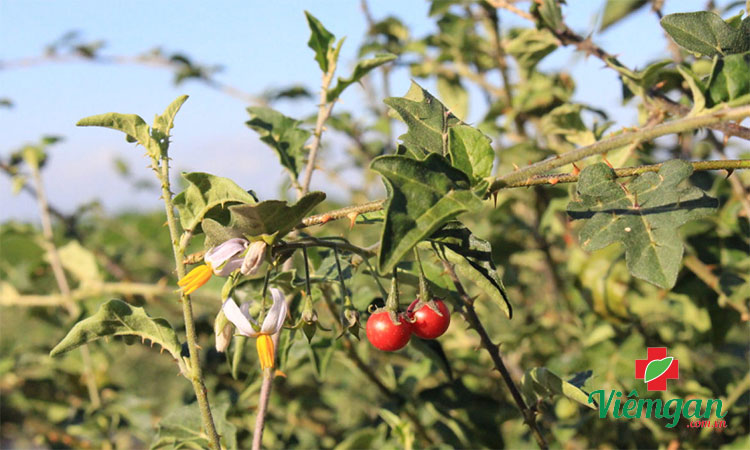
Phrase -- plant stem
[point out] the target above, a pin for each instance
(61, 280)
(263, 398)
(196, 376)
(675, 126)
(493, 349)
(533, 180)
(324, 112)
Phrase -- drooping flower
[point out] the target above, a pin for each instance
(222, 260)
(247, 326)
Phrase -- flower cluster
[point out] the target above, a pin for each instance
(247, 257)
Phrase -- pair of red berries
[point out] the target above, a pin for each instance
(388, 335)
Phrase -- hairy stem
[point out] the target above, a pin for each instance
(603, 146)
(493, 349)
(196, 376)
(534, 180)
(324, 112)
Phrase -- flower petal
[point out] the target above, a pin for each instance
(235, 315)
(228, 267)
(221, 253)
(276, 315)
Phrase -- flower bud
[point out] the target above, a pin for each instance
(224, 331)
(254, 258)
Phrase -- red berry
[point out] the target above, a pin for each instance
(385, 334)
(428, 323)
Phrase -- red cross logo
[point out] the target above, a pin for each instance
(657, 369)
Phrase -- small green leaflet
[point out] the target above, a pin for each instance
(270, 218)
(117, 318)
(204, 194)
(644, 215)
(705, 32)
(422, 197)
(540, 382)
(282, 134)
(362, 68)
(320, 42)
(656, 368)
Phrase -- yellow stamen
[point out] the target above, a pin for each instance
(195, 278)
(265, 351)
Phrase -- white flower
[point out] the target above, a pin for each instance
(254, 258)
(226, 257)
(246, 325)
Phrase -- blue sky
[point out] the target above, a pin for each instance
(260, 45)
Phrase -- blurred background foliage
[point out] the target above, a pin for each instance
(580, 314)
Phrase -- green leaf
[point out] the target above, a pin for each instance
(282, 134)
(360, 70)
(272, 217)
(540, 382)
(565, 121)
(616, 10)
(183, 427)
(643, 215)
(471, 152)
(548, 13)
(530, 45)
(656, 368)
(730, 78)
(697, 89)
(132, 125)
(434, 129)
(422, 197)
(79, 261)
(706, 33)
(117, 318)
(204, 194)
(428, 121)
(472, 257)
(165, 122)
(401, 428)
(320, 41)
(454, 95)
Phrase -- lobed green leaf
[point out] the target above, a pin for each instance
(134, 127)
(643, 216)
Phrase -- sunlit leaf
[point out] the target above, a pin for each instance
(134, 127)
(206, 192)
(644, 215)
(616, 10)
(79, 261)
(706, 33)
